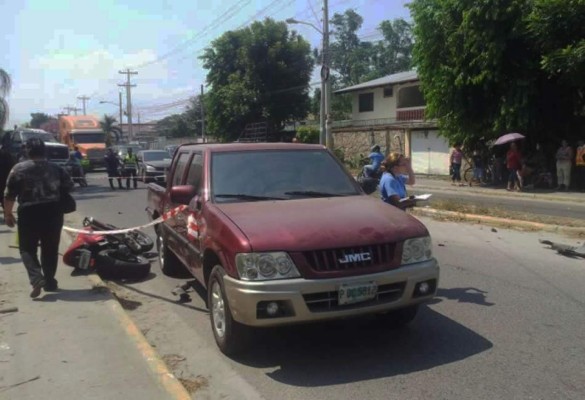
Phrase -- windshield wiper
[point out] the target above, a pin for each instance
(311, 193)
(247, 196)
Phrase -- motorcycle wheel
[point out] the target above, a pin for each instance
(111, 264)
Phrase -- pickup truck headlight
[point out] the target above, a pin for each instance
(417, 250)
(150, 169)
(265, 266)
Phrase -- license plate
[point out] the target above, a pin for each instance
(350, 294)
(84, 259)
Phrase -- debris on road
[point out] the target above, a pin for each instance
(494, 230)
(565, 249)
(8, 310)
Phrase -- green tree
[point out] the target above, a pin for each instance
(112, 131)
(174, 125)
(394, 53)
(259, 73)
(192, 116)
(350, 58)
(5, 85)
(559, 28)
(479, 72)
(37, 119)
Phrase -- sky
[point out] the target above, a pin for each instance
(58, 50)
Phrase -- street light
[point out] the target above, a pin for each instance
(119, 104)
(325, 136)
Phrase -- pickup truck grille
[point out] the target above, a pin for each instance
(351, 258)
(327, 301)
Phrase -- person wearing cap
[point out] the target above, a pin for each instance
(376, 158)
(37, 184)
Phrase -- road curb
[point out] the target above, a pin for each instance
(432, 212)
(514, 195)
(155, 363)
(159, 368)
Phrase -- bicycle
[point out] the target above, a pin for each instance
(488, 173)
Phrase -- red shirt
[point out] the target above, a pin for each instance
(513, 160)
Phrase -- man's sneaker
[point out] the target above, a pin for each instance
(37, 289)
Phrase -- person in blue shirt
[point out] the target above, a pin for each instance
(77, 154)
(376, 158)
(398, 173)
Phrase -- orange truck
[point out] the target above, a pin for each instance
(86, 133)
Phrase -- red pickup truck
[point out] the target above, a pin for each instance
(281, 233)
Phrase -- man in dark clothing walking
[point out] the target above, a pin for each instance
(113, 166)
(6, 164)
(37, 185)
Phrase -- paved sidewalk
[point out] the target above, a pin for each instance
(66, 344)
(424, 183)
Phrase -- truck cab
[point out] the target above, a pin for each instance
(86, 133)
(282, 234)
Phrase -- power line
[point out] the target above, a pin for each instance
(222, 19)
(83, 100)
(128, 87)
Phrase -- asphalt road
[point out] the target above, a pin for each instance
(507, 324)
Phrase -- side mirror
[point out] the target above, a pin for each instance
(182, 194)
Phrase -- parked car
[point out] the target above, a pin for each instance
(276, 244)
(171, 149)
(121, 149)
(56, 152)
(153, 164)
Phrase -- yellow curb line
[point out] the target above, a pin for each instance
(160, 370)
(432, 212)
(166, 378)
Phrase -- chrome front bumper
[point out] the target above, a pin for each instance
(305, 300)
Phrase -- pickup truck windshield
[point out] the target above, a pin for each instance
(44, 136)
(96, 137)
(278, 174)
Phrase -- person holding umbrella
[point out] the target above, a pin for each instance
(514, 165)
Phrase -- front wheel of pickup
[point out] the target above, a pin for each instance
(230, 336)
(168, 261)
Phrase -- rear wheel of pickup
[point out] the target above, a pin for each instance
(399, 318)
(230, 336)
(168, 261)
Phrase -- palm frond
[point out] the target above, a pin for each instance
(5, 83)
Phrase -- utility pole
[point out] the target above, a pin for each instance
(69, 109)
(325, 75)
(120, 107)
(128, 86)
(202, 116)
(83, 99)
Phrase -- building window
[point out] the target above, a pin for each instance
(366, 102)
(388, 91)
(410, 96)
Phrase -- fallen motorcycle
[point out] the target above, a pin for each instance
(112, 256)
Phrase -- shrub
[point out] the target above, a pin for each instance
(308, 134)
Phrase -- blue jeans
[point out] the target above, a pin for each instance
(456, 175)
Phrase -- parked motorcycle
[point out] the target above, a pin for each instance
(369, 184)
(117, 256)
